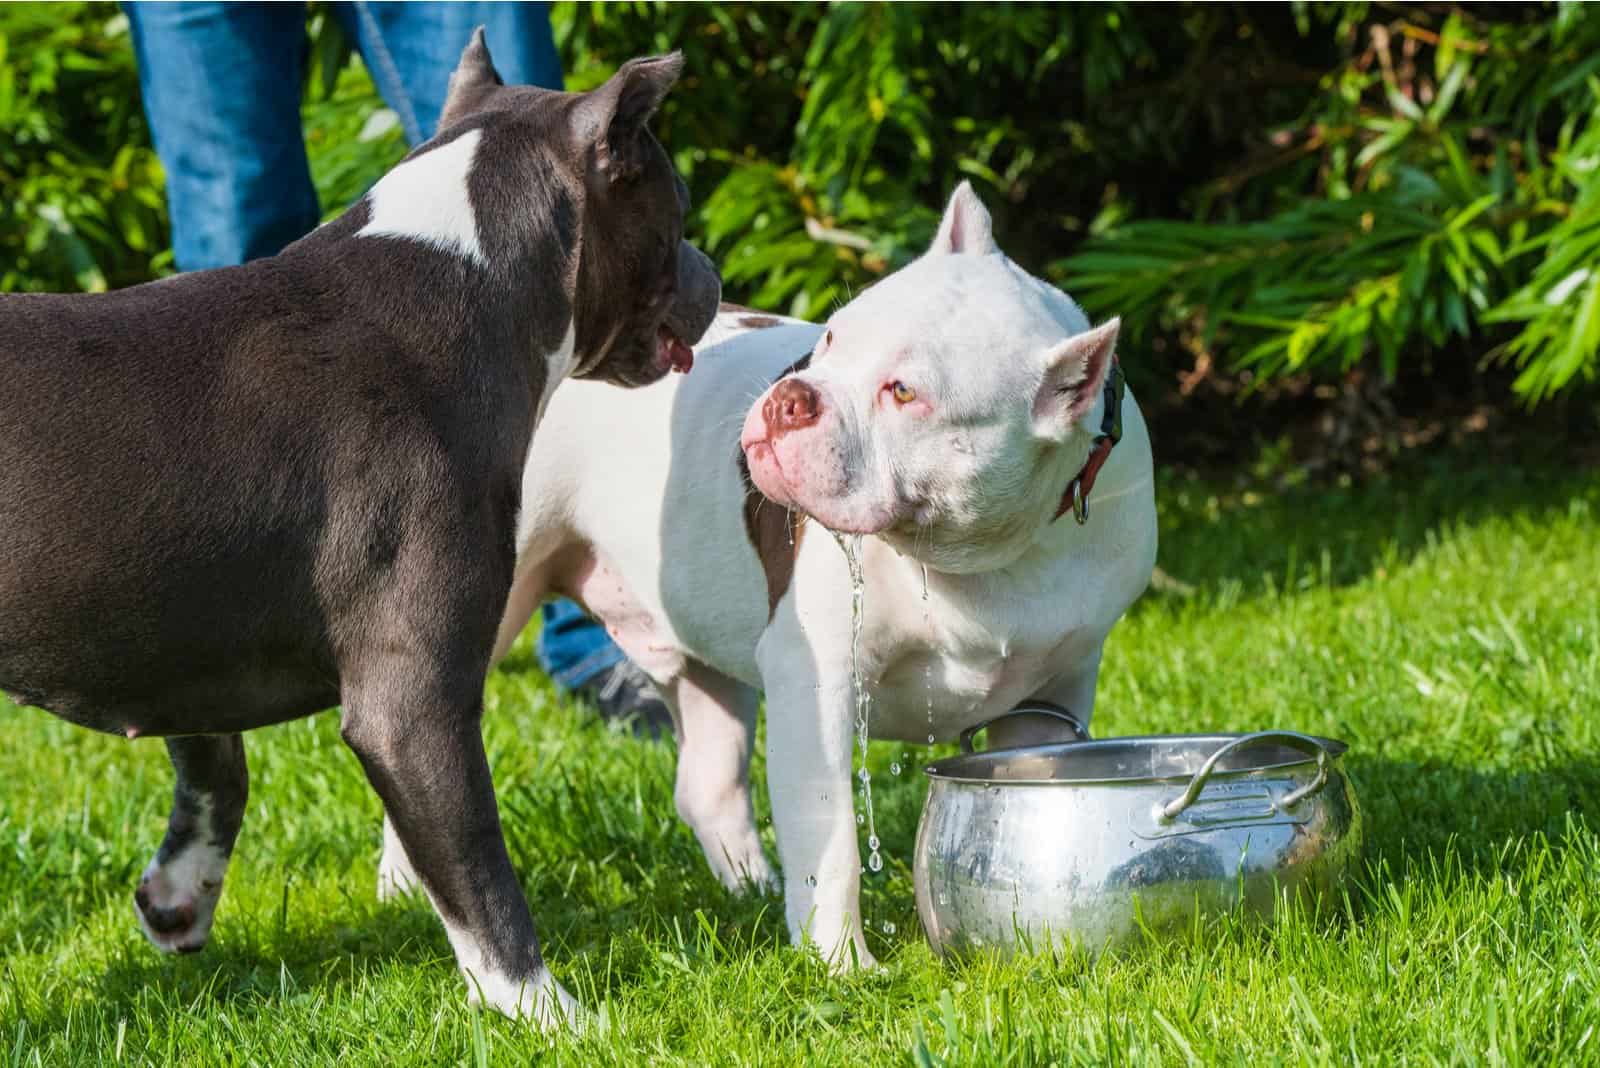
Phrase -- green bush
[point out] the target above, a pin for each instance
(1443, 183)
(82, 195)
(822, 140)
(80, 188)
(1293, 189)
(1300, 188)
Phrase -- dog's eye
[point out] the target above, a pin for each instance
(827, 340)
(902, 393)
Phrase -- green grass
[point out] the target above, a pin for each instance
(1444, 623)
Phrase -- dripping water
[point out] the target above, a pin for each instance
(927, 665)
(851, 544)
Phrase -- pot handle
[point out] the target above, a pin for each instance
(1303, 742)
(1035, 708)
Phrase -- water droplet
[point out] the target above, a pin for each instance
(894, 769)
(930, 739)
(811, 880)
(872, 842)
(875, 862)
(860, 818)
(851, 547)
(888, 927)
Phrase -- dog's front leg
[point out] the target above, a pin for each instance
(178, 893)
(809, 735)
(415, 729)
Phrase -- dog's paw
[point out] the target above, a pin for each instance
(176, 902)
(848, 956)
(541, 1001)
(852, 961)
(754, 877)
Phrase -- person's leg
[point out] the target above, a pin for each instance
(221, 87)
(580, 657)
(410, 49)
(573, 649)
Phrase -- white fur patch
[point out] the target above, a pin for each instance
(564, 360)
(425, 199)
(193, 878)
(540, 1000)
(560, 364)
(396, 876)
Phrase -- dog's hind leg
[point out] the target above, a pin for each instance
(177, 896)
(396, 876)
(415, 729)
(716, 720)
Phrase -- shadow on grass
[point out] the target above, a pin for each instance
(1424, 820)
(1416, 813)
(260, 963)
(248, 971)
(1247, 536)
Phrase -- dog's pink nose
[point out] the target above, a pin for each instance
(792, 404)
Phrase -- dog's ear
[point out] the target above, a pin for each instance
(1074, 375)
(966, 226)
(473, 78)
(612, 118)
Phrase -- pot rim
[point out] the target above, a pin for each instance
(950, 769)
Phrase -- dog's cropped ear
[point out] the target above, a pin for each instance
(474, 76)
(1074, 374)
(612, 118)
(966, 226)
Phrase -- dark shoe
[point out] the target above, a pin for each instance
(625, 695)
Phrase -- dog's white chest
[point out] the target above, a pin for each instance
(940, 664)
(940, 690)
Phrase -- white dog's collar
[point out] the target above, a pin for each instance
(1076, 495)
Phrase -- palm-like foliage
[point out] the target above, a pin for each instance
(1441, 208)
(1558, 306)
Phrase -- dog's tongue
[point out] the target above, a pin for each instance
(671, 352)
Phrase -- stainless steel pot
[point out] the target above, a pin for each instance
(1099, 843)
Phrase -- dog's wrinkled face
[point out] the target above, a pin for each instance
(640, 295)
(945, 409)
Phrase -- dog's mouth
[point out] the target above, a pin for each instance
(672, 352)
(646, 362)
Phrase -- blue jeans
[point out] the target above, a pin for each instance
(574, 649)
(221, 85)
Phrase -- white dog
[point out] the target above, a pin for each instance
(951, 416)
